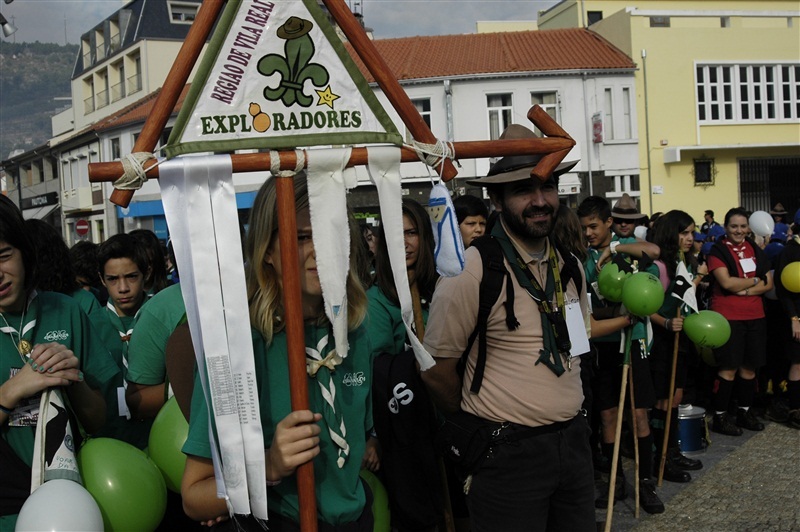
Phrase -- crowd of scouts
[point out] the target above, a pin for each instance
(95, 321)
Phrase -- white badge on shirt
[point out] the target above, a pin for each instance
(748, 265)
(577, 330)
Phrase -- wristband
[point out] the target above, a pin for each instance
(612, 247)
(271, 483)
(6, 410)
(755, 280)
(668, 324)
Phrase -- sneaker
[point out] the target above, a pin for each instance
(777, 411)
(620, 492)
(724, 425)
(683, 462)
(648, 499)
(748, 420)
(794, 419)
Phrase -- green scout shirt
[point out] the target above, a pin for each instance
(155, 322)
(340, 496)
(387, 333)
(59, 319)
(590, 267)
(133, 431)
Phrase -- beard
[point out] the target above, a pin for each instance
(521, 226)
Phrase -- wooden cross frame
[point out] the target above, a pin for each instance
(553, 149)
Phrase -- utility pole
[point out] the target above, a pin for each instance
(65, 29)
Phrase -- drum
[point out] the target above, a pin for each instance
(692, 429)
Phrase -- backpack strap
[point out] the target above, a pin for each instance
(494, 274)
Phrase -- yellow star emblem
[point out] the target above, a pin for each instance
(327, 97)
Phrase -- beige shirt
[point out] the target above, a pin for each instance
(514, 387)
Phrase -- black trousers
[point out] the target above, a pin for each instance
(544, 482)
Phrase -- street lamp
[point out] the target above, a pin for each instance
(8, 29)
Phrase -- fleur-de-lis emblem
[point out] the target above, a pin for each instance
(295, 68)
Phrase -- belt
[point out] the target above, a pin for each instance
(510, 432)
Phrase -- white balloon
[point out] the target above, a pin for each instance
(640, 232)
(761, 223)
(60, 505)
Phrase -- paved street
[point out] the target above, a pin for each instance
(748, 483)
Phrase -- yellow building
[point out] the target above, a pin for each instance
(718, 97)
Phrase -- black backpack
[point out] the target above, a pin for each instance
(494, 274)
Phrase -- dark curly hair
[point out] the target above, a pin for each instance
(156, 281)
(12, 232)
(54, 271)
(665, 233)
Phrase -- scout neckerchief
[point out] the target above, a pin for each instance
(53, 444)
(125, 338)
(555, 334)
(320, 364)
(22, 341)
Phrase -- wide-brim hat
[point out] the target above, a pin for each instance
(778, 210)
(517, 167)
(294, 27)
(626, 209)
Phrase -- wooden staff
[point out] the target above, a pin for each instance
(366, 50)
(634, 428)
(419, 325)
(295, 338)
(612, 481)
(173, 85)
(668, 421)
(260, 162)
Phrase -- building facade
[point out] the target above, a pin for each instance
(718, 97)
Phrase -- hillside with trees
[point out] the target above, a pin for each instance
(32, 75)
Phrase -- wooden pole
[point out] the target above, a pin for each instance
(295, 338)
(634, 428)
(173, 85)
(615, 459)
(386, 81)
(667, 422)
(260, 162)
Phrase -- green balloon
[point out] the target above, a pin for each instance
(380, 503)
(642, 294)
(610, 282)
(125, 483)
(707, 328)
(167, 436)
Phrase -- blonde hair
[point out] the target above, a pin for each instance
(264, 294)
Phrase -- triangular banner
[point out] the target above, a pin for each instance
(276, 75)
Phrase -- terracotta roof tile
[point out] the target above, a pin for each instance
(491, 53)
(137, 111)
(457, 55)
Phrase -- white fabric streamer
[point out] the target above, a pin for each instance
(199, 201)
(384, 171)
(331, 235)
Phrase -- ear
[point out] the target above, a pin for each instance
(609, 221)
(495, 199)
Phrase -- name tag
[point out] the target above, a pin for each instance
(577, 330)
(748, 265)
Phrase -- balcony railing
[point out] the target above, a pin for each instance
(88, 105)
(102, 99)
(114, 43)
(134, 83)
(118, 91)
(88, 59)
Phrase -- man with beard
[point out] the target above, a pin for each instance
(535, 471)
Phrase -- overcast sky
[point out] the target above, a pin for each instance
(60, 20)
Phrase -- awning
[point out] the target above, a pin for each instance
(39, 213)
